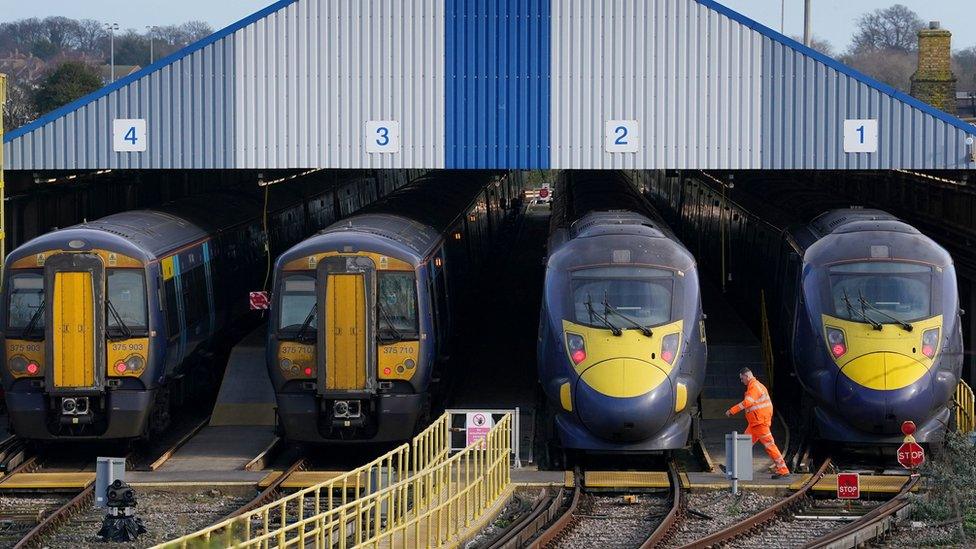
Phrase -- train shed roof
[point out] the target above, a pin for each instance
(582, 84)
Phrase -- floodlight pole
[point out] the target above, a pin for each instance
(111, 28)
(807, 23)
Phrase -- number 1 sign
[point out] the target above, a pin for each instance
(860, 136)
(129, 135)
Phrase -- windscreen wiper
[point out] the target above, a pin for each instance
(33, 321)
(608, 308)
(389, 321)
(124, 330)
(593, 314)
(300, 335)
(904, 325)
(864, 317)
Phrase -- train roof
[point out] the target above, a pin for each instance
(581, 193)
(417, 215)
(858, 219)
(154, 232)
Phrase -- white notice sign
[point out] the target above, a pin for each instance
(383, 136)
(860, 136)
(129, 135)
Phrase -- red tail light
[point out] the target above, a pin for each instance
(308, 370)
(33, 368)
(930, 342)
(837, 342)
(669, 347)
(120, 367)
(577, 348)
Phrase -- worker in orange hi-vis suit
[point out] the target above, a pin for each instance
(759, 414)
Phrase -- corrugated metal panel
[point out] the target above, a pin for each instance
(315, 72)
(689, 76)
(498, 84)
(808, 101)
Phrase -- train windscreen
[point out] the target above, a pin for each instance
(297, 306)
(397, 305)
(880, 288)
(26, 306)
(127, 302)
(642, 294)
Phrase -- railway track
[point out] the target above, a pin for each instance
(801, 521)
(606, 520)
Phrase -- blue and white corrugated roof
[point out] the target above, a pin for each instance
(647, 84)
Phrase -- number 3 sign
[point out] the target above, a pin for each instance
(129, 135)
(383, 136)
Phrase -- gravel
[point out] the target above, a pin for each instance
(20, 514)
(724, 510)
(166, 515)
(794, 532)
(607, 522)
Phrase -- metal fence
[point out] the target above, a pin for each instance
(459, 429)
(427, 450)
(429, 509)
(965, 408)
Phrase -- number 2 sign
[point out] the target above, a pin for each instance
(860, 136)
(129, 135)
(622, 136)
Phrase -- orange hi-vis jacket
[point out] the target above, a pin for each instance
(757, 404)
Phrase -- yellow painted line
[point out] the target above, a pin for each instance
(47, 481)
(625, 479)
(305, 479)
(201, 485)
(877, 484)
(268, 479)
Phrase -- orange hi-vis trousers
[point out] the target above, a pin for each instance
(761, 433)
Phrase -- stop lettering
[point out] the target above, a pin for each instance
(848, 486)
(911, 455)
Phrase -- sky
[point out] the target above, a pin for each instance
(833, 20)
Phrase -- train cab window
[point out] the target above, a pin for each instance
(126, 303)
(25, 314)
(297, 307)
(396, 304)
(882, 290)
(639, 293)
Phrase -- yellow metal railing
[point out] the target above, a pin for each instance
(767, 341)
(428, 449)
(3, 202)
(965, 408)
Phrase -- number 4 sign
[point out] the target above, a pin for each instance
(129, 135)
(860, 136)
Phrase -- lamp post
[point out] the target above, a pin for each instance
(807, 24)
(111, 28)
(782, 17)
(151, 31)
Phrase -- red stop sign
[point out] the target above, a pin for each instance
(848, 486)
(911, 455)
(259, 301)
(544, 192)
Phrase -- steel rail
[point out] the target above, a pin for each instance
(270, 493)
(58, 517)
(673, 518)
(565, 521)
(763, 517)
(867, 524)
(529, 524)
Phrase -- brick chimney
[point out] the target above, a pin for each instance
(934, 82)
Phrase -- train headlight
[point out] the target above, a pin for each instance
(577, 348)
(930, 342)
(669, 347)
(836, 342)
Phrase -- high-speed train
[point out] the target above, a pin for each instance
(362, 313)
(621, 348)
(101, 318)
(863, 309)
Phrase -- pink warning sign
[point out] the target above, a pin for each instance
(477, 426)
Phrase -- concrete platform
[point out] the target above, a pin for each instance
(220, 448)
(246, 395)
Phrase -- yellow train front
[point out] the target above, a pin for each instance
(363, 313)
(878, 338)
(621, 351)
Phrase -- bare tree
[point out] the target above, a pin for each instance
(964, 65)
(818, 44)
(90, 35)
(893, 67)
(61, 32)
(894, 28)
(19, 108)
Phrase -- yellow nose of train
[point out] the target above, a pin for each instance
(888, 359)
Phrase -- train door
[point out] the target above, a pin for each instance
(346, 297)
(76, 321)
